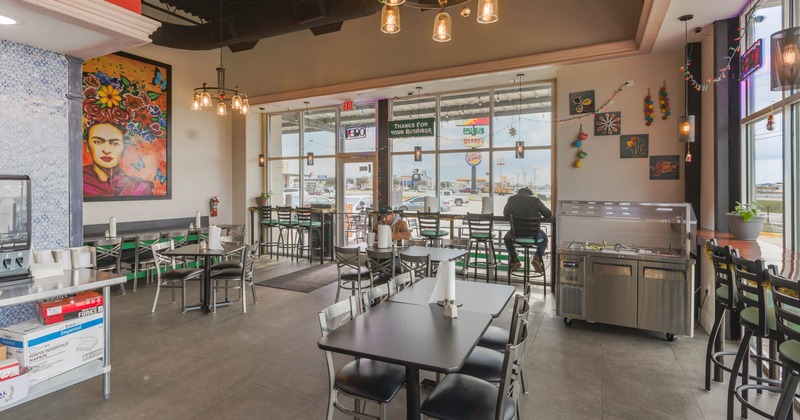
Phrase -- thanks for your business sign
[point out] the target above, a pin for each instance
(421, 127)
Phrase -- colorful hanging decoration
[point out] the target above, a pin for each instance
(580, 155)
(648, 109)
(771, 122)
(663, 100)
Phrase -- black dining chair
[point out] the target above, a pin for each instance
(464, 397)
(168, 275)
(351, 271)
(381, 265)
(481, 235)
(420, 265)
(268, 224)
(360, 379)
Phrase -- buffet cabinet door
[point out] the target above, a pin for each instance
(665, 298)
(611, 291)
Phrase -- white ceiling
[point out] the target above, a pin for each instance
(55, 25)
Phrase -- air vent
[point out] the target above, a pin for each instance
(571, 301)
(309, 10)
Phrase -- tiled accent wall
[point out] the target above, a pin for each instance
(34, 135)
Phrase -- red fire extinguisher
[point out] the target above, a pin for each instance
(214, 205)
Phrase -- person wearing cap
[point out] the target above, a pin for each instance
(524, 204)
(399, 227)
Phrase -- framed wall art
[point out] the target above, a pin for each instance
(126, 128)
(581, 102)
(607, 123)
(665, 167)
(634, 146)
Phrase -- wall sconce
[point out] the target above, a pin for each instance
(785, 57)
(310, 159)
(520, 150)
(262, 160)
(417, 153)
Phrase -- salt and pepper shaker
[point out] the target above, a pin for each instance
(202, 245)
(108, 234)
(191, 226)
(450, 309)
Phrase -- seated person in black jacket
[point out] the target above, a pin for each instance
(524, 204)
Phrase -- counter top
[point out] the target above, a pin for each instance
(72, 281)
(787, 261)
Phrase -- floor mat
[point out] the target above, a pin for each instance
(305, 280)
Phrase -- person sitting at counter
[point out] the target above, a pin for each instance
(399, 226)
(524, 204)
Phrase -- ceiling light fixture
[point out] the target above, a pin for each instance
(203, 96)
(443, 23)
(686, 122)
(520, 145)
(785, 57)
(418, 148)
(5, 20)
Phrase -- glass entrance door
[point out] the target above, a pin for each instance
(355, 196)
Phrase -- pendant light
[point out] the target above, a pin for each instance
(310, 158)
(487, 11)
(785, 57)
(390, 18)
(442, 26)
(686, 122)
(418, 148)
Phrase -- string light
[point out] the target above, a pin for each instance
(600, 109)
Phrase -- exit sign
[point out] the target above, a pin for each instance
(348, 106)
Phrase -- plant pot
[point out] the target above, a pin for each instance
(262, 201)
(745, 231)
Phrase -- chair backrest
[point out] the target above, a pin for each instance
(520, 312)
(330, 319)
(235, 230)
(306, 216)
(231, 239)
(108, 253)
(786, 294)
(512, 360)
(161, 260)
(479, 224)
(415, 242)
(381, 262)
(750, 277)
(428, 221)
(524, 227)
(723, 266)
(349, 257)
(179, 237)
(143, 242)
(284, 214)
(400, 282)
(375, 295)
(420, 265)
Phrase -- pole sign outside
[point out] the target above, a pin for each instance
(473, 158)
(473, 142)
(352, 133)
(420, 127)
(471, 131)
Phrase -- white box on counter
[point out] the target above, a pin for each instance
(9, 368)
(50, 350)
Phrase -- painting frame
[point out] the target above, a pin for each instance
(634, 146)
(133, 94)
(581, 102)
(608, 123)
(657, 165)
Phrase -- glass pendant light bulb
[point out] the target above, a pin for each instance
(487, 11)
(393, 2)
(245, 107)
(417, 153)
(236, 101)
(790, 55)
(442, 27)
(222, 109)
(195, 102)
(205, 99)
(390, 19)
(520, 150)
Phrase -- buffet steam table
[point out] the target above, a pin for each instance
(71, 281)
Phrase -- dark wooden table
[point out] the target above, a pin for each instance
(470, 296)
(208, 255)
(437, 254)
(414, 336)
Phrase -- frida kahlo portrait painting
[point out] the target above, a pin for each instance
(126, 111)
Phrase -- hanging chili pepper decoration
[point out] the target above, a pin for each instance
(663, 100)
(648, 109)
(771, 122)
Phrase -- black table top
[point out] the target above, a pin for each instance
(470, 296)
(417, 336)
(193, 250)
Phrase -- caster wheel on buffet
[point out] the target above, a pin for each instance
(568, 322)
(670, 337)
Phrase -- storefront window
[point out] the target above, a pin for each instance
(319, 132)
(463, 180)
(411, 181)
(765, 21)
(523, 114)
(464, 122)
(413, 109)
(766, 184)
(284, 138)
(511, 174)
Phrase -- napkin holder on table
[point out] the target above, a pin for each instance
(444, 291)
(384, 236)
(214, 235)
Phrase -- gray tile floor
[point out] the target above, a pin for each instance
(265, 365)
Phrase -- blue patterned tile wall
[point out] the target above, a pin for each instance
(34, 135)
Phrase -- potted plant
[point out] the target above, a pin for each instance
(263, 199)
(745, 222)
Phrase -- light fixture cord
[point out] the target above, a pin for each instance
(686, 56)
(519, 108)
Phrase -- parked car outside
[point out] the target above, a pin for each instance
(418, 204)
(318, 202)
(357, 203)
